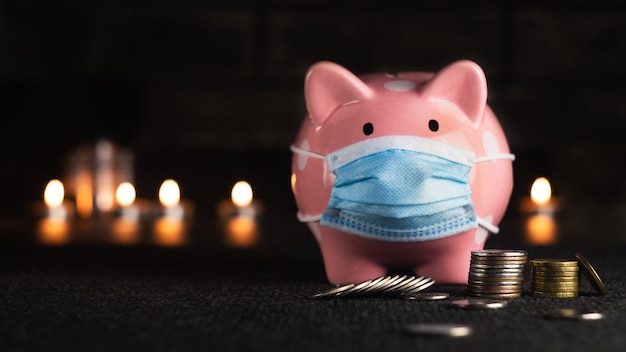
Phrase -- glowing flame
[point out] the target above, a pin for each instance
(241, 194)
(54, 193)
(125, 194)
(541, 191)
(169, 193)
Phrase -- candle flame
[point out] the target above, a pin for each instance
(54, 193)
(241, 194)
(169, 193)
(125, 194)
(541, 191)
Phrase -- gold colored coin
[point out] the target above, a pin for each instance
(591, 274)
(554, 294)
(538, 267)
(553, 263)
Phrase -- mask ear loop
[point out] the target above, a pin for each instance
(305, 152)
(488, 226)
(494, 157)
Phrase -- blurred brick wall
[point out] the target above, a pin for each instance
(227, 75)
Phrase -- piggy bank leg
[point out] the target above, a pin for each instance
(452, 257)
(345, 260)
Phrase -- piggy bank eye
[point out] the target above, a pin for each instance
(368, 129)
(433, 125)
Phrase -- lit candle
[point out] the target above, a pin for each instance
(54, 228)
(238, 216)
(170, 228)
(125, 196)
(541, 199)
(541, 227)
(169, 196)
(126, 226)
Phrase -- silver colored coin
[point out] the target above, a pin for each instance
(427, 296)
(479, 275)
(390, 283)
(496, 295)
(356, 289)
(394, 284)
(568, 313)
(497, 266)
(376, 288)
(497, 290)
(495, 283)
(332, 292)
(372, 287)
(444, 330)
(419, 286)
(479, 304)
(406, 283)
(499, 253)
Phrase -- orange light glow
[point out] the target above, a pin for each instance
(54, 193)
(293, 182)
(169, 193)
(125, 231)
(541, 229)
(242, 231)
(125, 194)
(541, 191)
(84, 200)
(53, 231)
(241, 194)
(169, 232)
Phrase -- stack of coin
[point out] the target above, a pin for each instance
(554, 278)
(497, 273)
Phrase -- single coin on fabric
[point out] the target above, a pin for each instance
(437, 329)
(478, 303)
(427, 296)
(576, 314)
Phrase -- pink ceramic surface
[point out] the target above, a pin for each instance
(340, 103)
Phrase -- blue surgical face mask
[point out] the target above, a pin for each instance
(401, 188)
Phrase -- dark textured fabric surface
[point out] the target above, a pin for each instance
(202, 299)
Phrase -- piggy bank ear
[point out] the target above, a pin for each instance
(329, 86)
(462, 83)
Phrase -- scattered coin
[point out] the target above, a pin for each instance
(477, 303)
(384, 286)
(568, 313)
(427, 296)
(332, 291)
(437, 329)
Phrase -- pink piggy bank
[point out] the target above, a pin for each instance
(409, 171)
